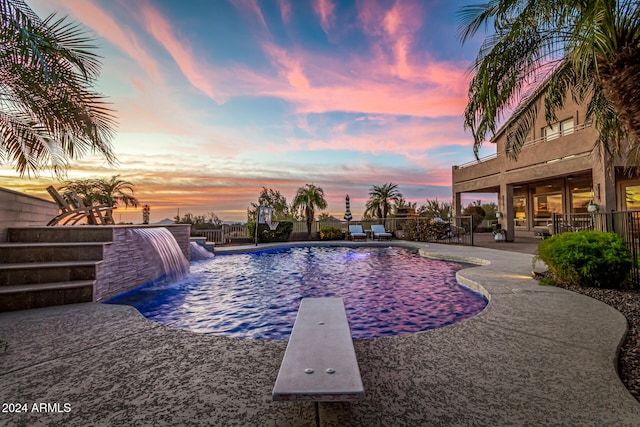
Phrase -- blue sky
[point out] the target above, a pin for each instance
(216, 99)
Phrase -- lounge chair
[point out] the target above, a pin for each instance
(356, 232)
(73, 210)
(380, 233)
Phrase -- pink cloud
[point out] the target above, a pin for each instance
(197, 73)
(288, 67)
(325, 9)
(254, 9)
(100, 21)
(285, 10)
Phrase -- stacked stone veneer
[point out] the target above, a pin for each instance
(128, 262)
(22, 210)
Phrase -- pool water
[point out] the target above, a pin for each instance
(386, 291)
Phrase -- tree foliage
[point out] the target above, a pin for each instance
(307, 200)
(434, 209)
(273, 199)
(380, 198)
(49, 113)
(476, 212)
(589, 50)
(101, 191)
(208, 221)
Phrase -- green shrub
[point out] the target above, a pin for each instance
(265, 235)
(331, 233)
(587, 258)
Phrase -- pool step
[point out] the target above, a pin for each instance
(46, 272)
(75, 234)
(21, 297)
(45, 266)
(50, 252)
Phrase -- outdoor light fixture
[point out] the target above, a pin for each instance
(145, 214)
(498, 215)
(592, 207)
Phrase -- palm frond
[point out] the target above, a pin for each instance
(47, 69)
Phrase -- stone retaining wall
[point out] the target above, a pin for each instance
(129, 261)
(22, 210)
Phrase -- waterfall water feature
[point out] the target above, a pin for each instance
(174, 263)
(199, 253)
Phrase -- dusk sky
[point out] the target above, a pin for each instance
(217, 98)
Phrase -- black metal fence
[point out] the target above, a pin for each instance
(453, 231)
(625, 224)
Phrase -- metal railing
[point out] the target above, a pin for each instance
(457, 230)
(625, 224)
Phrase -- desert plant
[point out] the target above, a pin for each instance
(331, 233)
(587, 258)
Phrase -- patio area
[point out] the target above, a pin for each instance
(535, 356)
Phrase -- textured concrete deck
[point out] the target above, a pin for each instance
(535, 356)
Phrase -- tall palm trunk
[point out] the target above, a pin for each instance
(619, 80)
(309, 214)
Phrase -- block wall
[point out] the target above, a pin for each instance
(22, 210)
(129, 261)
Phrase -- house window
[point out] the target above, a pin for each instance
(632, 197)
(566, 126)
(558, 129)
(581, 195)
(520, 207)
(547, 200)
(551, 132)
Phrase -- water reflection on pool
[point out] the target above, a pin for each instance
(387, 291)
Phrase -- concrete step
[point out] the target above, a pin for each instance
(24, 297)
(50, 252)
(59, 234)
(13, 274)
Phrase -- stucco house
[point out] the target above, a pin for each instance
(560, 169)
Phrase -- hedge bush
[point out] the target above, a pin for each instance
(265, 235)
(587, 258)
(425, 230)
(331, 233)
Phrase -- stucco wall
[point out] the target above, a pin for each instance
(22, 210)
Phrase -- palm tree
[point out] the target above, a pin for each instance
(49, 113)
(380, 198)
(114, 191)
(307, 199)
(110, 192)
(552, 48)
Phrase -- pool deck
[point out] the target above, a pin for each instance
(535, 356)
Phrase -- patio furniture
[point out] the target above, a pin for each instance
(380, 233)
(73, 210)
(356, 233)
(320, 363)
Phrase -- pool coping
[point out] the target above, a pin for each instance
(535, 355)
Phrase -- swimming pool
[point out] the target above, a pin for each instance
(386, 290)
